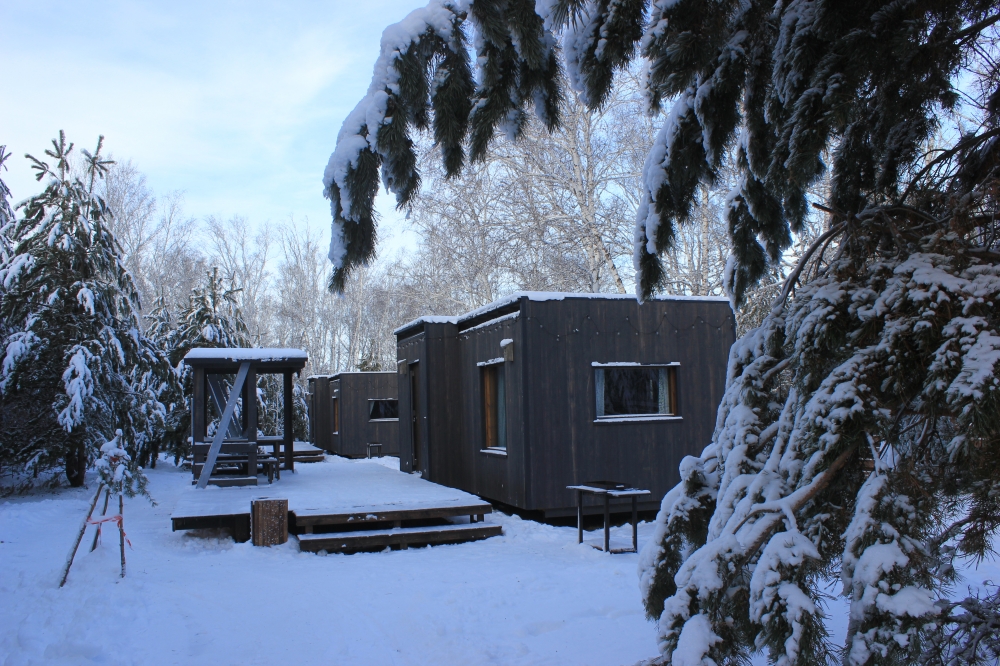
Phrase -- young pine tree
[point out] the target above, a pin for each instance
(76, 365)
(859, 432)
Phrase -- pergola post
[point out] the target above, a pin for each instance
(287, 433)
(198, 420)
(250, 405)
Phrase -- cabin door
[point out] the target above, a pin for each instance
(415, 416)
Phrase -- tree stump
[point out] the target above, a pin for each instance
(269, 521)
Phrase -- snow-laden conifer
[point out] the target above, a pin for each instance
(858, 433)
(6, 212)
(76, 366)
(211, 318)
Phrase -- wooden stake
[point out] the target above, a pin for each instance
(79, 536)
(121, 530)
(104, 512)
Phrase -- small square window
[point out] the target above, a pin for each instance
(635, 391)
(383, 410)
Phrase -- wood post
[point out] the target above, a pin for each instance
(268, 521)
(288, 434)
(199, 406)
(79, 536)
(121, 530)
(635, 524)
(220, 434)
(97, 532)
(241, 529)
(607, 523)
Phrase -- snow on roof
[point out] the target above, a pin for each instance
(246, 354)
(544, 296)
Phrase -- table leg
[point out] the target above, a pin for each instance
(607, 524)
(579, 516)
(635, 525)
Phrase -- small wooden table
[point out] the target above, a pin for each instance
(608, 489)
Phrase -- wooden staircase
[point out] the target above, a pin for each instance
(400, 526)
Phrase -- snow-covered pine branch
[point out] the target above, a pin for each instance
(423, 70)
(6, 213)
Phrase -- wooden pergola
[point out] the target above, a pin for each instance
(239, 436)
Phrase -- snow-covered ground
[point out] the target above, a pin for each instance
(531, 596)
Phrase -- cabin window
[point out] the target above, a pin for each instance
(494, 406)
(336, 415)
(383, 410)
(625, 391)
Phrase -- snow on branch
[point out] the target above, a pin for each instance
(375, 133)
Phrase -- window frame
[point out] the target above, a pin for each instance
(496, 368)
(386, 420)
(335, 413)
(667, 380)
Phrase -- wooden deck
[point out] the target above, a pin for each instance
(343, 506)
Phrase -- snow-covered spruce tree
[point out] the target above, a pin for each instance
(211, 318)
(76, 366)
(859, 433)
(271, 407)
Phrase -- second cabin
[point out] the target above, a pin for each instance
(355, 414)
(519, 399)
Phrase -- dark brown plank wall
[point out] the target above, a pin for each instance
(356, 389)
(491, 475)
(335, 439)
(320, 413)
(441, 412)
(408, 351)
(564, 337)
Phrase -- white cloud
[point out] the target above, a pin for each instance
(236, 104)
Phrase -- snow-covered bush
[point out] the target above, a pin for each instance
(115, 470)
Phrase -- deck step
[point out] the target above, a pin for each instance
(404, 536)
(227, 481)
(299, 458)
(302, 518)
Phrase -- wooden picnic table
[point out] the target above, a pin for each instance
(607, 490)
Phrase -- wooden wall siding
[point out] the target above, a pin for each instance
(408, 351)
(441, 411)
(565, 338)
(320, 416)
(552, 438)
(335, 439)
(490, 475)
(356, 430)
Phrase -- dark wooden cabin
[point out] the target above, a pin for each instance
(538, 391)
(350, 410)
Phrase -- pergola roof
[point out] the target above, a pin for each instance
(263, 359)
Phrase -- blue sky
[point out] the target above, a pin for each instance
(236, 104)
